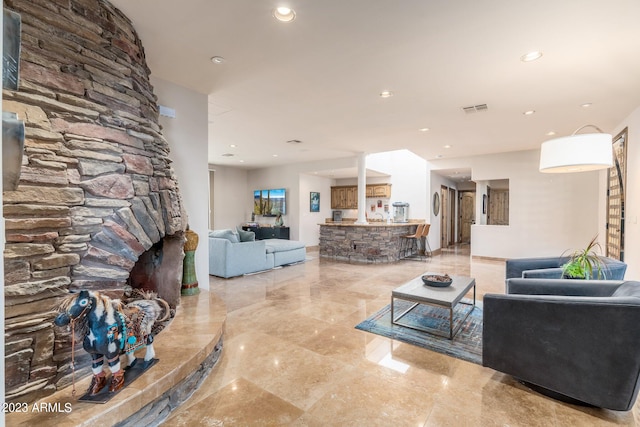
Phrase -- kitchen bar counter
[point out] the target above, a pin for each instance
(372, 242)
(371, 224)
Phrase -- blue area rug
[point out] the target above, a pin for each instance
(466, 344)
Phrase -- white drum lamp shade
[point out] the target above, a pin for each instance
(577, 153)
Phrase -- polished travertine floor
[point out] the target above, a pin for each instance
(292, 357)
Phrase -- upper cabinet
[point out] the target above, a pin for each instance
(379, 190)
(346, 196)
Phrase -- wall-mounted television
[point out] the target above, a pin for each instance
(270, 202)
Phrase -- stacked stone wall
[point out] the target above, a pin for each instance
(364, 244)
(96, 187)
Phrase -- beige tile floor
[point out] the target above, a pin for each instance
(292, 357)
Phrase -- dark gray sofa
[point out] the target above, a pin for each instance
(551, 268)
(576, 338)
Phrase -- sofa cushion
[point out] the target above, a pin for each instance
(628, 289)
(246, 236)
(281, 245)
(225, 234)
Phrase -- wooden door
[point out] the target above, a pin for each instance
(452, 216)
(467, 215)
(498, 207)
(444, 217)
(616, 197)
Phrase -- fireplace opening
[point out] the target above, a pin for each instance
(159, 269)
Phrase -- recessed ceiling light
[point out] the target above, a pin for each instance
(551, 133)
(424, 129)
(284, 14)
(531, 56)
(586, 105)
(529, 112)
(274, 155)
(386, 94)
(448, 146)
(217, 59)
(232, 145)
(241, 161)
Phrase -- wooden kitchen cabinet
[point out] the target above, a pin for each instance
(339, 198)
(352, 198)
(379, 190)
(346, 196)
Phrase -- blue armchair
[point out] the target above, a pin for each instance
(551, 268)
(569, 338)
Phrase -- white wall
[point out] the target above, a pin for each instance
(632, 211)
(409, 183)
(548, 213)
(408, 177)
(308, 230)
(288, 176)
(187, 137)
(232, 198)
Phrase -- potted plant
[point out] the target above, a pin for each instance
(583, 262)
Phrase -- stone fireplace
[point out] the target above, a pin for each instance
(98, 205)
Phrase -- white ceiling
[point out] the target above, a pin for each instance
(318, 78)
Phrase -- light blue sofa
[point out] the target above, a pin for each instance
(230, 257)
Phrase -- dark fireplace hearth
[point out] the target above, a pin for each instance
(160, 268)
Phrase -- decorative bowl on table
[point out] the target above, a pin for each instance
(437, 280)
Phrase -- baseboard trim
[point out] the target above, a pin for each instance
(487, 258)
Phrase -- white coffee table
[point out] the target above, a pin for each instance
(415, 291)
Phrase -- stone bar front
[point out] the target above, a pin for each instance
(373, 242)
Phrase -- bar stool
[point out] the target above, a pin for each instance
(423, 236)
(407, 241)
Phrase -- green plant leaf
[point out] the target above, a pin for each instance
(583, 262)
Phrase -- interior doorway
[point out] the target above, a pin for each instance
(616, 185)
(447, 217)
(466, 215)
(211, 180)
(452, 216)
(444, 217)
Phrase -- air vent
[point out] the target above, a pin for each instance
(228, 155)
(475, 108)
(294, 141)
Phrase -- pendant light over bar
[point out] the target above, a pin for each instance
(577, 153)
